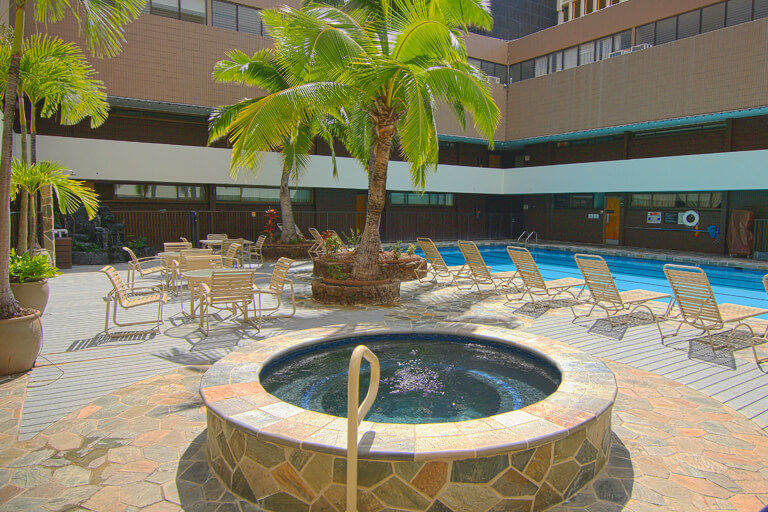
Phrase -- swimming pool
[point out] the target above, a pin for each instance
(739, 286)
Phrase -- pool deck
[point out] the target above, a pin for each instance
(117, 424)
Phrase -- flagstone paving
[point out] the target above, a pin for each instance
(103, 437)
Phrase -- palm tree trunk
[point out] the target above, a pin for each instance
(286, 208)
(366, 265)
(9, 308)
(32, 239)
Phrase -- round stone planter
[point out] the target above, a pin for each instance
(20, 342)
(32, 294)
(273, 252)
(402, 269)
(348, 293)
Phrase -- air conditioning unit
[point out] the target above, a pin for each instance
(617, 53)
(494, 79)
(643, 46)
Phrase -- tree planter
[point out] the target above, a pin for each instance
(347, 292)
(273, 252)
(90, 258)
(32, 294)
(401, 269)
(20, 342)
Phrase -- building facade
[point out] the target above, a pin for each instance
(632, 112)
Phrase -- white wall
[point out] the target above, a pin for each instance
(93, 159)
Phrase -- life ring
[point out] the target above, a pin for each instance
(691, 218)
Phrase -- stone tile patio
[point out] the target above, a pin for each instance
(111, 425)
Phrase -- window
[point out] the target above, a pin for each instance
(237, 17)
(571, 58)
(586, 53)
(761, 9)
(682, 201)
(514, 73)
(604, 48)
(526, 70)
(622, 41)
(645, 34)
(261, 195)
(555, 62)
(666, 30)
(159, 192)
(576, 201)
(688, 24)
(540, 68)
(187, 10)
(713, 17)
(425, 199)
(738, 11)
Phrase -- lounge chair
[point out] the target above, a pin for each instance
(135, 266)
(534, 283)
(478, 272)
(318, 249)
(275, 288)
(342, 246)
(129, 298)
(699, 308)
(176, 246)
(256, 249)
(605, 295)
(230, 291)
(436, 266)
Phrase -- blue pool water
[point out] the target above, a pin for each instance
(738, 286)
(425, 378)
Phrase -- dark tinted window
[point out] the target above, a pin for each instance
(645, 34)
(514, 73)
(526, 70)
(738, 11)
(224, 15)
(248, 20)
(713, 17)
(666, 30)
(688, 24)
(761, 9)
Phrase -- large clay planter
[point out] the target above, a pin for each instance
(32, 294)
(20, 342)
(348, 293)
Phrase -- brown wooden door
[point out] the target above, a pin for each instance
(360, 203)
(612, 219)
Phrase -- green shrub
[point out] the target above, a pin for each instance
(411, 249)
(397, 249)
(30, 268)
(353, 237)
(336, 272)
(86, 247)
(136, 243)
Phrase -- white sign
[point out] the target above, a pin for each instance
(654, 217)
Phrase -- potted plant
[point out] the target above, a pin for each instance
(29, 279)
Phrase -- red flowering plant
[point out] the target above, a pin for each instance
(271, 225)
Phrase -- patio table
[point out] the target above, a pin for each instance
(197, 277)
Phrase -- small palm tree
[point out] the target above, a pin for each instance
(71, 194)
(54, 76)
(102, 23)
(265, 71)
(382, 67)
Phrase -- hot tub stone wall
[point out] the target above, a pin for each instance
(282, 478)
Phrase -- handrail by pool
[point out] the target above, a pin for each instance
(355, 415)
(522, 235)
(534, 235)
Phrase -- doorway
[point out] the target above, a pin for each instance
(612, 220)
(360, 203)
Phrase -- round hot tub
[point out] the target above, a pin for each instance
(467, 418)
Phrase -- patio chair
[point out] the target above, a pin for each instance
(436, 266)
(216, 236)
(534, 283)
(318, 249)
(605, 295)
(135, 266)
(129, 298)
(176, 246)
(195, 261)
(699, 308)
(478, 272)
(256, 249)
(275, 288)
(177, 265)
(230, 291)
(184, 239)
(232, 251)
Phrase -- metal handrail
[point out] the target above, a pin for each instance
(532, 234)
(522, 235)
(355, 415)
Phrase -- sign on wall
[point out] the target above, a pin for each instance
(654, 217)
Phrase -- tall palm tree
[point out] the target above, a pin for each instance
(265, 71)
(71, 194)
(54, 76)
(102, 23)
(382, 66)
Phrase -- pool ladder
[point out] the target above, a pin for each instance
(527, 238)
(355, 413)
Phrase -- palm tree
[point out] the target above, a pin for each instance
(265, 71)
(381, 66)
(101, 22)
(70, 193)
(53, 76)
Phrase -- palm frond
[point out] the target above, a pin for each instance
(71, 194)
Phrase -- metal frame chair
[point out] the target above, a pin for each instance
(256, 249)
(230, 291)
(134, 266)
(232, 250)
(275, 288)
(480, 273)
(128, 298)
(605, 295)
(534, 283)
(195, 261)
(699, 309)
(176, 246)
(318, 249)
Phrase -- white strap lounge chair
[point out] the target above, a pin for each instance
(534, 284)
(478, 272)
(435, 264)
